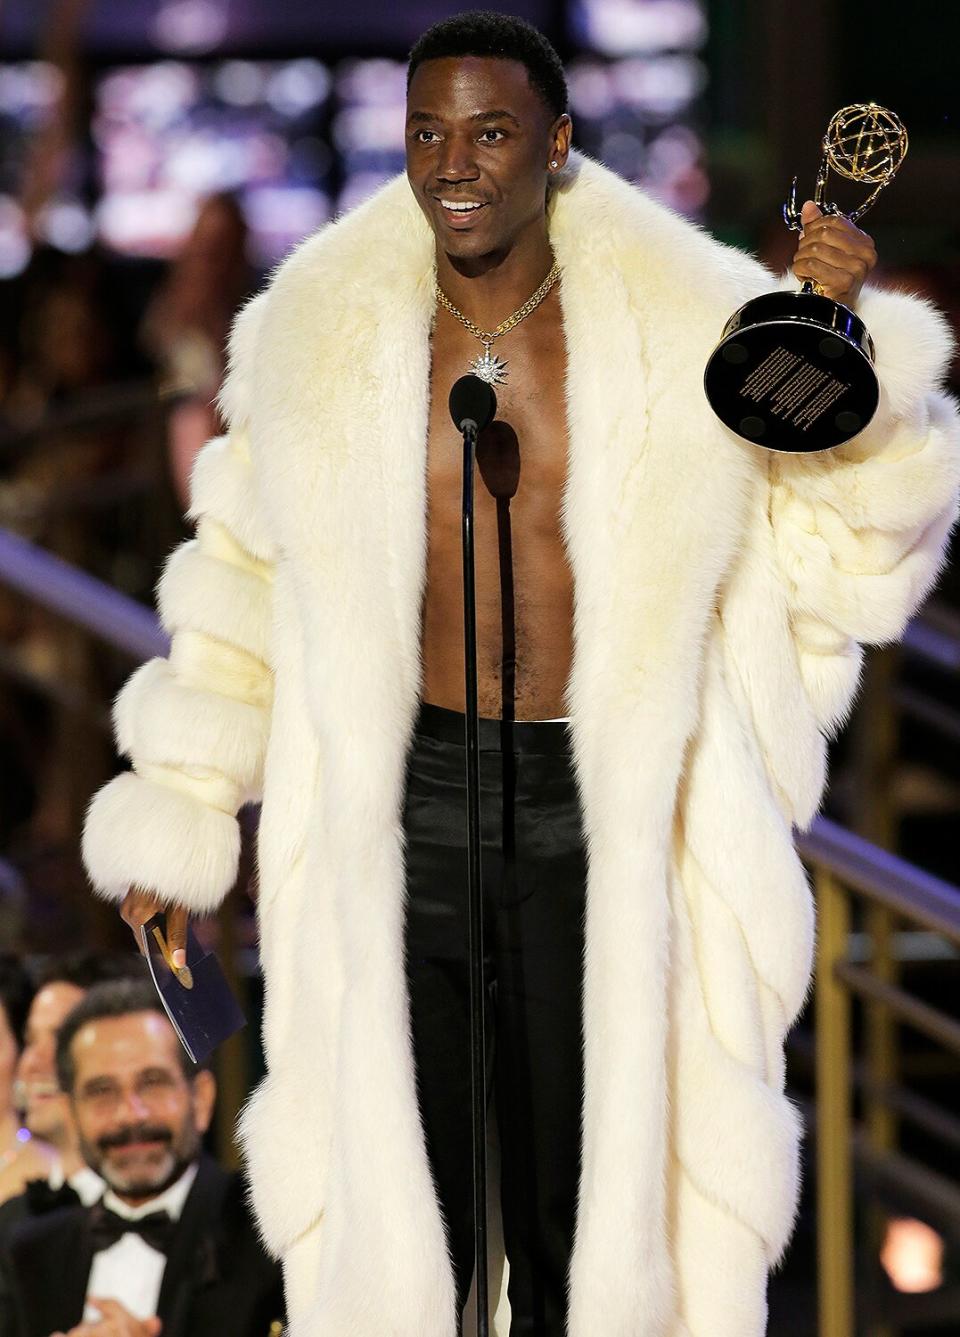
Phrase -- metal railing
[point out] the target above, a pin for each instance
(847, 869)
(61, 588)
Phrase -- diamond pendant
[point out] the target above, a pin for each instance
(489, 367)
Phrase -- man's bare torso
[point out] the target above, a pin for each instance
(524, 453)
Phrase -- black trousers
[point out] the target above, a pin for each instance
(534, 881)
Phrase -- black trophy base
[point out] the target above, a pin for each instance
(793, 372)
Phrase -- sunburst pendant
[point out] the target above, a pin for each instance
(489, 367)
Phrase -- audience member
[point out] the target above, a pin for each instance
(21, 1157)
(46, 1109)
(186, 326)
(171, 1246)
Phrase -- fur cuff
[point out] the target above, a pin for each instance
(912, 339)
(143, 834)
(913, 343)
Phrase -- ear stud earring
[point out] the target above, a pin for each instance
(554, 164)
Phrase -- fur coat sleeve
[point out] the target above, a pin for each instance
(195, 725)
(847, 547)
(861, 532)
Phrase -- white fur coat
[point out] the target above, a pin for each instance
(721, 596)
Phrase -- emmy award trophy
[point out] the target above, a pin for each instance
(794, 371)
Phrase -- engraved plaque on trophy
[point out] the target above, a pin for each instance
(794, 370)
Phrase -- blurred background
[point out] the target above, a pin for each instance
(157, 158)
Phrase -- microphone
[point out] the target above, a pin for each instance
(472, 404)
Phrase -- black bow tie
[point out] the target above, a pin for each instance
(107, 1227)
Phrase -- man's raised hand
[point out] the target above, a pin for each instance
(834, 253)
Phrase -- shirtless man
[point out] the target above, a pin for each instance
(480, 132)
(489, 261)
(491, 130)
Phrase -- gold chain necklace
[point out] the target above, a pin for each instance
(488, 367)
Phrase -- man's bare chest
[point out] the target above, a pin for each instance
(524, 586)
(522, 457)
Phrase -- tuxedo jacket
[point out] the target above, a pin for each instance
(217, 1278)
(37, 1199)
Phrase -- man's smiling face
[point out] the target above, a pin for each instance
(140, 1118)
(46, 1110)
(479, 139)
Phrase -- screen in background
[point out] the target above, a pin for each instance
(169, 134)
(200, 27)
(301, 140)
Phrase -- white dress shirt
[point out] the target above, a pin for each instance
(131, 1270)
(86, 1183)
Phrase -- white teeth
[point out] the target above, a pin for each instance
(460, 208)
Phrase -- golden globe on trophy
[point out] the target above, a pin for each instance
(794, 371)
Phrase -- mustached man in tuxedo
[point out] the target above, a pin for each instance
(170, 1247)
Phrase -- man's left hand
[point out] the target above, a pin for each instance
(834, 253)
(115, 1321)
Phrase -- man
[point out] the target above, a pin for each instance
(21, 1157)
(693, 603)
(170, 1247)
(46, 1110)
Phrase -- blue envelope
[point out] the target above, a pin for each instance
(198, 1000)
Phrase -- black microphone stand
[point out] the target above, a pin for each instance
(472, 404)
(478, 1048)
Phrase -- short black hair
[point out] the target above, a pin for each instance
(114, 998)
(85, 969)
(16, 994)
(480, 32)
